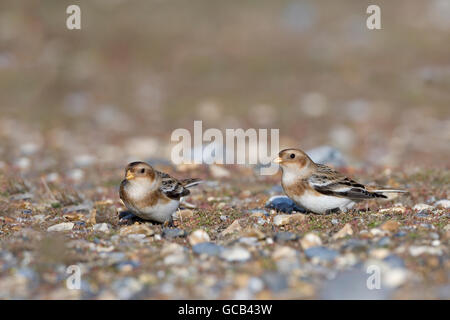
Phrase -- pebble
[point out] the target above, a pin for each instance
(102, 227)
(235, 254)
(65, 226)
(310, 240)
(390, 226)
(127, 288)
(443, 204)
(253, 232)
(321, 253)
(184, 214)
(285, 236)
(283, 219)
(422, 214)
(275, 281)
(136, 229)
(232, 228)
(419, 250)
(173, 233)
(284, 252)
(344, 232)
(396, 209)
(255, 284)
(208, 248)
(422, 206)
(198, 236)
(283, 204)
(21, 196)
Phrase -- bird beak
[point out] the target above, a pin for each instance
(129, 176)
(278, 160)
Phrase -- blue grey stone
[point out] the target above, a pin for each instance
(394, 261)
(322, 253)
(283, 204)
(173, 233)
(285, 236)
(384, 242)
(208, 248)
(275, 281)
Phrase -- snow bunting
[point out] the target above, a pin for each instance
(319, 188)
(150, 194)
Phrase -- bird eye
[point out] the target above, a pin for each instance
(292, 156)
(142, 170)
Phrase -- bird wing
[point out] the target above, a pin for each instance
(171, 187)
(330, 182)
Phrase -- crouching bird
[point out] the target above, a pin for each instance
(319, 188)
(151, 194)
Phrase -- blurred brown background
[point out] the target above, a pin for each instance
(137, 70)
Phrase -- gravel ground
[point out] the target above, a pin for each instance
(235, 244)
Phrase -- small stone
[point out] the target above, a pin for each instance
(219, 172)
(102, 227)
(422, 214)
(208, 248)
(345, 231)
(198, 236)
(396, 209)
(136, 229)
(443, 204)
(232, 228)
(390, 226)
(73, 216)
(275, 281)
(253, 232)
(321, 253)
(178, 258)
(334, 221)
(419, 250)
(283, 204)
(422, 206)
(285, 236)
(283, 219)
(65, 226)
(377, 232)
(379, 253)
(235, 254)
(173, 233)
(184, 214)
(284, 252)
(310, 240)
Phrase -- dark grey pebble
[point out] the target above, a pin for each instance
(322, 253)
(275, 281)
(21, 196)
(283, 204)
(77, 208)
(208, 248)
(384, 242)
(285, 236)
(173, 233)
(394, 261)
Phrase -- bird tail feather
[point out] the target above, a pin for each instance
(187, 183)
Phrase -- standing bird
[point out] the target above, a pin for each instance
(150, 194)
(319, 188)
